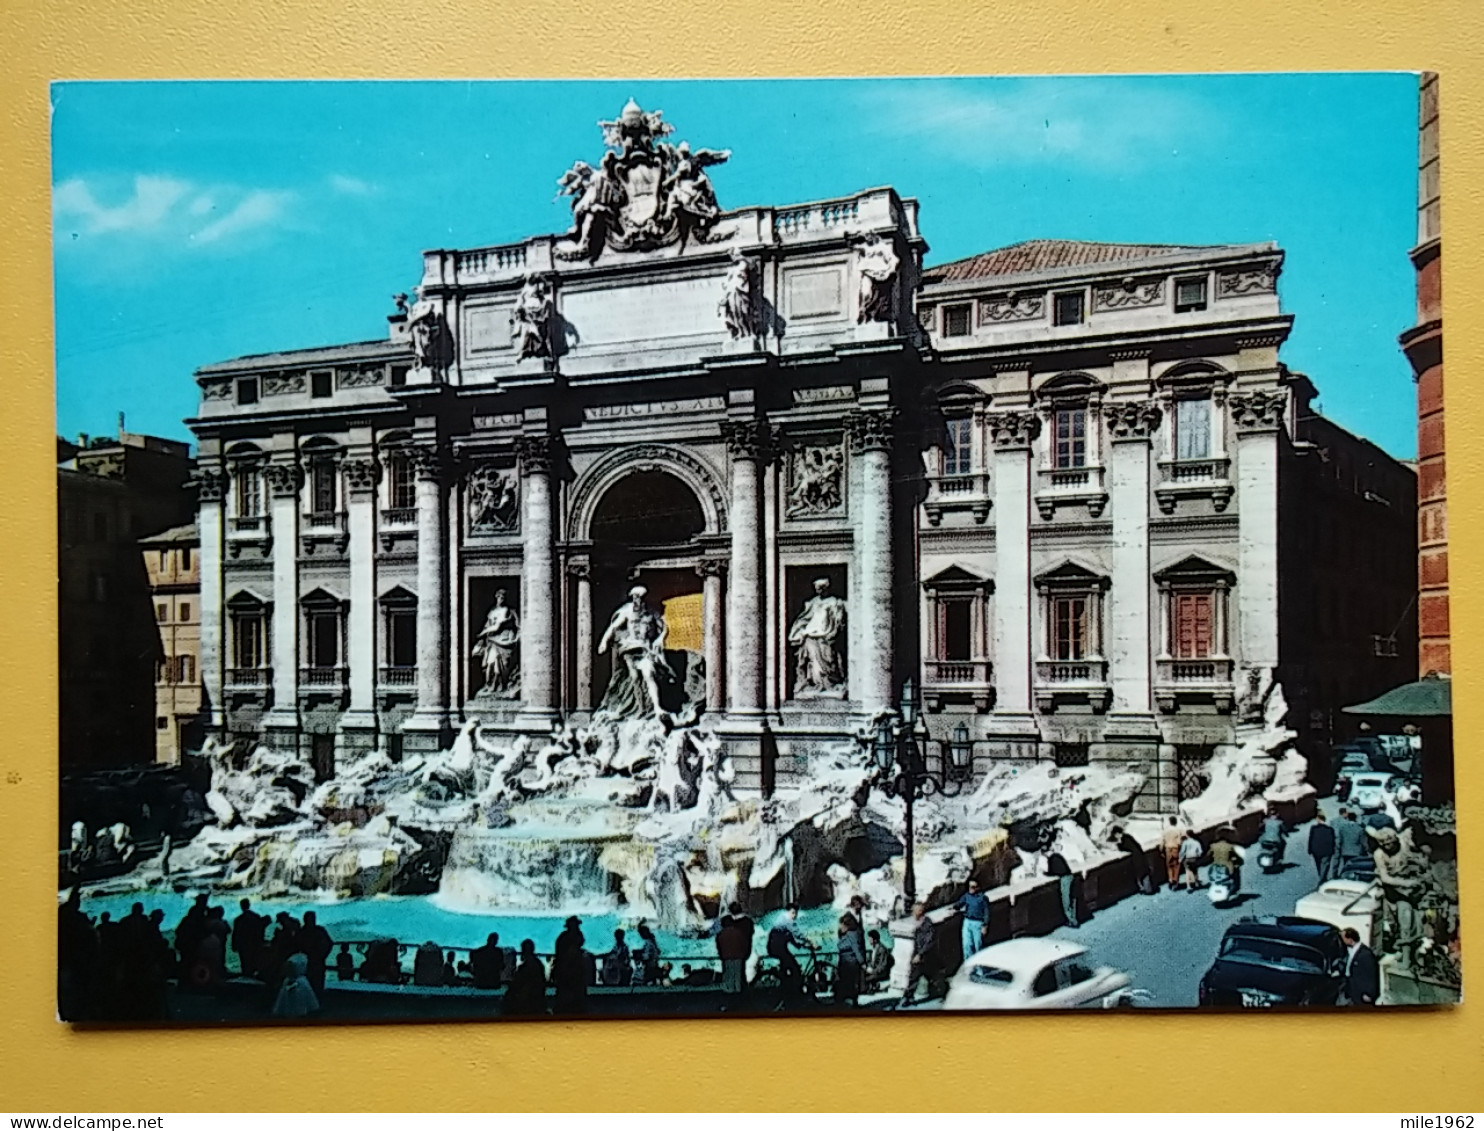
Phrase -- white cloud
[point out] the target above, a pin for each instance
(157, 210)
(1099, 122)
(152, 202)
(350, 186)
(257, 209)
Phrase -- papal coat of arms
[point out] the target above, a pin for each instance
(645, 192)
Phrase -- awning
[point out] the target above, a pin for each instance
(1429, 697)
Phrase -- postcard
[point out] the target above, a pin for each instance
(735, 548)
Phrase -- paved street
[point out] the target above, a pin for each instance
(1165, 942)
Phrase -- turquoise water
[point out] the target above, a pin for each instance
(416, 919)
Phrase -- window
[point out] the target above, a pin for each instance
(1069, 624)
(398, 376)
(324, 636)
(955, 629)
(1190, 294)
(185, 669)
(162, 613)
(320, 384)
(185, 559)
(247, 390)
(162, 671)
(1193, 629)
(956, 321)
(322, 487)
(161, 722)
(249, 638)
(1071, 754)
(394, 747)
(249, 492)
(1070, 437)
(1067, 309)
(401, 637)
(958, 449)
(185, 610)
(401, 492)
(1045, 982)
(1192, 428)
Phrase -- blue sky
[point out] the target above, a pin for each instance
(194, 222)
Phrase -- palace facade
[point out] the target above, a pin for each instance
(1050, 484)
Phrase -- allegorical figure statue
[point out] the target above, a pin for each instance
(690, 194)
(878, 265)
(530, 321)
(426, 328)
(597, 195)
(498, 648)
(636, 634)
(736, 307)
(818, 633)
(493, 502)
(816, 488)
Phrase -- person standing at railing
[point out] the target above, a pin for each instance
(734, 947)
(569, 969)
(851, 961)
(649, 956)
(526, 996)
(248, 931)
(316, 944)
(974, 906)
(487, 964)
(924, 959)
(618, 963)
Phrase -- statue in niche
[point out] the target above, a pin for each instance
(530, 321)
(878, 265)
(816, 488)
(636, 634)
(818, 633)
(736, 307)
(493, 501)
(498, 649)
(429, 332)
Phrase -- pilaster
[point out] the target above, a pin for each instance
(360, 473)
(1013, 433)
(1258, 417)
(428, 728)
(284, 480)
(1131, 425)
(538, 591)
(211, 483)
(746, 442)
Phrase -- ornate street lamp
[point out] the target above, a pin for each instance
(961, 754)
(897, 746)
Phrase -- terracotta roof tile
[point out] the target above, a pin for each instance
(1049, 255)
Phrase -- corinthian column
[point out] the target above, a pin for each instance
(1258, 417)
(430, 719)
(744, 632)
(1130, 426)
(711, 571)
(211, 484)
(538, 685)
(582, 633)
(1013, 434)
(871, 671)
(284, 481)
(360, 476)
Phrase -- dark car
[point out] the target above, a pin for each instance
(1276, 960)
(1362, 868)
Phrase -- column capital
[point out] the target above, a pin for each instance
(426, 460)
(581, 570)
(284, 479)
(1132, 420)
(361, 474)
(747, 438)
(1260, 411)
(712, 567)
(870, 429)
(209, 484)
(535, 454)
(1013, 429)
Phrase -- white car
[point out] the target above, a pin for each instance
(1370, 792)
(1343, 903)
(1036, 974)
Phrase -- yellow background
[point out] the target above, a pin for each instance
(1426, 1062)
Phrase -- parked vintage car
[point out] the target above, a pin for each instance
(1036, 973)
(1343, 903)
(1352, 764)
(1276, 960)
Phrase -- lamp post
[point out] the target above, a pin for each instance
(898, 749)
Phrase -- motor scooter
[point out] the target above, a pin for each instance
(1223, 885)
(1270, 856)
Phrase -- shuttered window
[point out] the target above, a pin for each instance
(1193, 631)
